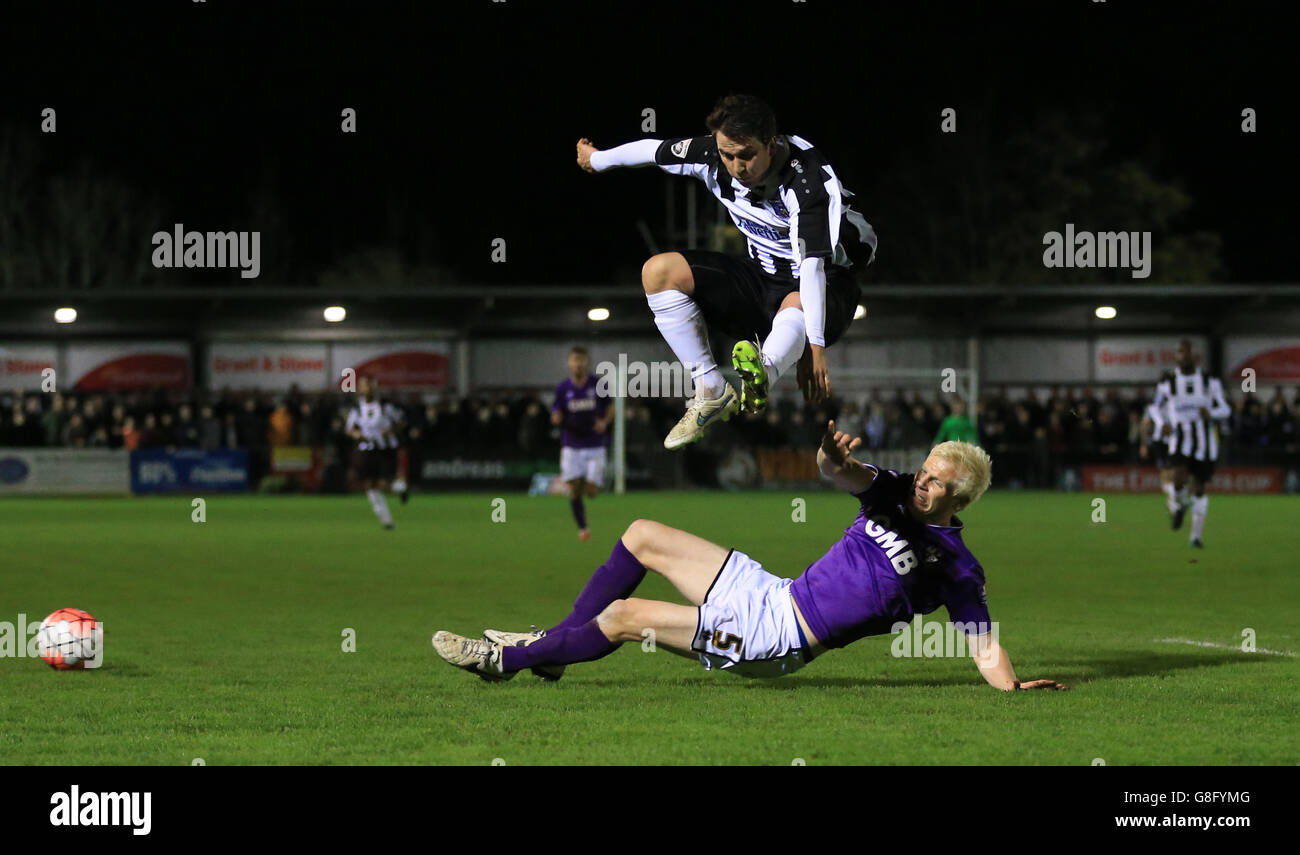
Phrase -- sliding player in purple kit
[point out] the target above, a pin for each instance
(903, 555)
(583, 417)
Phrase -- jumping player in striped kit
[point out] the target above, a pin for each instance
(797, 286)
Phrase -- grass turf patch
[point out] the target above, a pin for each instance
(224, 638)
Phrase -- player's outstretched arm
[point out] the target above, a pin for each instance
(634, 154)
(995, 666)
(835, 462)
(812, 299)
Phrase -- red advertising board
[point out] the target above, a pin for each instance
(1281, 364)
(129, 365)
(25, 366)
(271, 365)
(395, 365)
(1146, 479)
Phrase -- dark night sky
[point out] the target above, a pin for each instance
(467, 108)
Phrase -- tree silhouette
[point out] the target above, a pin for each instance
(973, 206)
(70, 228)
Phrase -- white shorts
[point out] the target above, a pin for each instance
(588, 463)
(747, 623)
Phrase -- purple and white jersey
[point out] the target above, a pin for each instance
(581, 406)
(887, 568)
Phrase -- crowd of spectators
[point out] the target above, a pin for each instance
(1030, 432)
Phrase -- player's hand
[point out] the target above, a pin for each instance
(585, 148)
(1165, 430)
(598, 426)
(819, 375)
(838, 445)
(1142, 451)
(1205, 414)
(1044, 684)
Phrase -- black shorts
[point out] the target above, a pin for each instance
(1201, 470)
(379, 464)
(739, 298)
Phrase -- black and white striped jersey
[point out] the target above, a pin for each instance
(1178, 402)
(807, 215)
(377, 422)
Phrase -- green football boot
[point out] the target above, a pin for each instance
(747, 359)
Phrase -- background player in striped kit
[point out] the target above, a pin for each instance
(583, 417)
(373, 425)
(798, 285)
(1191, 404)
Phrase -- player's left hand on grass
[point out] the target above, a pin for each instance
(1043, 684)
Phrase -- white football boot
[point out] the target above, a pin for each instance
(523, 639)
(700, 413)
(473, 654)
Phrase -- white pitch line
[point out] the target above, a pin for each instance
(1222, 646)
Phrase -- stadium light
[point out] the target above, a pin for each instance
(860, 312)
(334, 314)
(65, 315)
(598, 314)
(1106, 312)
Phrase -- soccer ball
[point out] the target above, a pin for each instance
(70, 638)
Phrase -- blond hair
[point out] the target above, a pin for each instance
(974, 467)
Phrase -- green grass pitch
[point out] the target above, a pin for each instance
(224, 638)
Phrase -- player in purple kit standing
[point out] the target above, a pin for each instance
(583, 417)
(903, 555)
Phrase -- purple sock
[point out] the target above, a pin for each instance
(579, 512)
(560, 647)
(614, 580)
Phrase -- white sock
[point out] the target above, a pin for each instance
(682, 325)
(399, 486)
(380, 506)
(1171, 498)
(784, 344)
(1200, 505)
